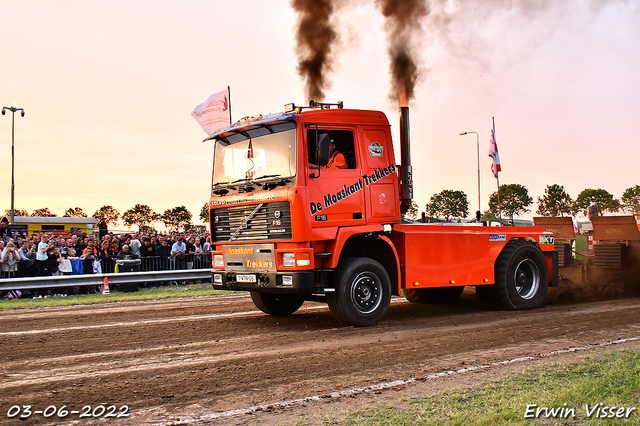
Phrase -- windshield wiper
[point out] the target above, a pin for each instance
(263, 177)
(224, 187)
(220, 188)
(240, 180)
(275, 183)
(266, 181)
(271, 181)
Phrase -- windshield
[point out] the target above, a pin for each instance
(259, 152)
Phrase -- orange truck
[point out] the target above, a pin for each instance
(287, 227)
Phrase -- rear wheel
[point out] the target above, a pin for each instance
(279, 305)
(363, 292)
(439, 295)
(522, 278)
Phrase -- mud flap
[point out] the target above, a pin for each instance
(552, 264)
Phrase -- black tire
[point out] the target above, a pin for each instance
(279, 305)
(363, 292)
(437, 296)
(521, 278)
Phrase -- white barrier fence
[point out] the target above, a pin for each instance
(33, 283)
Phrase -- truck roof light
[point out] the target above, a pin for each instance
(325, 105)
(292, 108)
(312, 105)
(250, 119)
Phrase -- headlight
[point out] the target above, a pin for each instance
(288, 260)
(218, 261)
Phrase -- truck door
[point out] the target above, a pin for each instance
(380, 175)
(336, 190)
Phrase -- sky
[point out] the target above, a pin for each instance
(108, 88)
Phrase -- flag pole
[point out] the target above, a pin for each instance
(229, 93)
(499, 202)
(497, 177)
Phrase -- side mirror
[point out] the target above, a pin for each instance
(322, 152)
(323, 149)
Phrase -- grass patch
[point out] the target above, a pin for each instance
(161, 292)
(613, 380)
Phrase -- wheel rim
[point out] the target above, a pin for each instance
(527, 278)
(366, 291)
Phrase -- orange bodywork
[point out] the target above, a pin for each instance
(328, 209)
(439, 256)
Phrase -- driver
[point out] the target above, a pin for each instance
(336, 159)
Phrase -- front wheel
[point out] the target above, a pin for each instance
(521, 278)
(279, 305)
(363, 292)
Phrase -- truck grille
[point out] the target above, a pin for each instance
(272, 221)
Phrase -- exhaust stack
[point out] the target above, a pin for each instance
(406, 173)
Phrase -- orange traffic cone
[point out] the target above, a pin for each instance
(105, 286)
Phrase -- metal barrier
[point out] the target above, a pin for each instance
(148, 263)
(34, 283)
(187, 261)
(158, 263)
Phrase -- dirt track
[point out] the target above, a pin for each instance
(181, 359)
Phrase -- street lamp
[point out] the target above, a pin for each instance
(479, 212)
(13, 108)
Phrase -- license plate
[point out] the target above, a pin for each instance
(251, 278)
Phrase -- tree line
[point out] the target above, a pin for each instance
(448, 204)
(141, 215)
(515, 200)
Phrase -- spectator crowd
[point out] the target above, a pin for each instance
(75, 252)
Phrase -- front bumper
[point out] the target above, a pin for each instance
(294, 282)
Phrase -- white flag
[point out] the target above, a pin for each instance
(493, 153)
(213, 114)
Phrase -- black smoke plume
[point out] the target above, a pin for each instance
(403, 26)
(315, 37)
